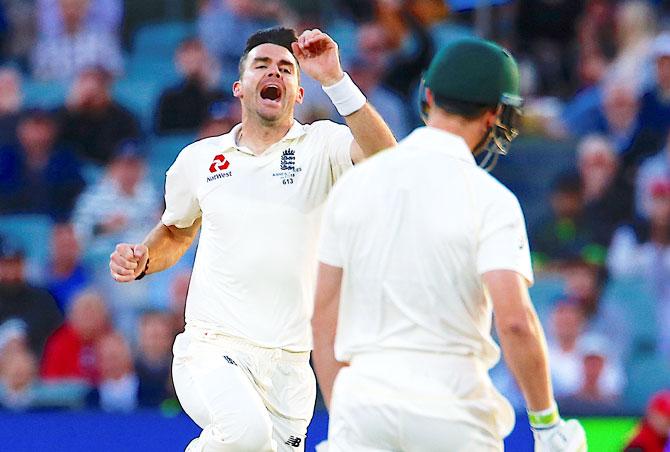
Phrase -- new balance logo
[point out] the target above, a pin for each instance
(219, 164)
(229, 360)
(293, 441)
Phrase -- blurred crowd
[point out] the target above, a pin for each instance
(84, 157)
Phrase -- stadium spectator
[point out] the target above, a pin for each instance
(369, 69)
(607, 198)
(584, 283)
(20, 301)
(654, 428)
(66, 273)
(223, 26)
(37, 175)
(92, 122)
(565, 232)
(652, 170)
(601, 380)
(19, 386)
(11, 99)
(407, 22)
(63, 56)
(118, 385)
(154, 358)
(120, 206)
(70, 352)
(103, 15)
(221, 119)
(643, 250)
(184, 107)
(567, 324)
(635, 28)
(545, 28)
(653, 120)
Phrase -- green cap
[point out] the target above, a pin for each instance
(473, 70)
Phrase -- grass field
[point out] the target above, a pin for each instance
(608, 434)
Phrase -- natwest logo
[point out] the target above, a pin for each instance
(219, 164)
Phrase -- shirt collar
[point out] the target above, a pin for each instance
(444, 141)
(229, 140)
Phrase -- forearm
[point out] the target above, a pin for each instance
(370, 131)
(326, 366)
(167, 245)
(525, 351)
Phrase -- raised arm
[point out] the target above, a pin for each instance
(161, 249)
(319, 58)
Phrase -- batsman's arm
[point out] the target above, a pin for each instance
(521, 337)
(161, 249)
(324, 327)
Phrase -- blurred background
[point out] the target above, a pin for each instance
(97, 97)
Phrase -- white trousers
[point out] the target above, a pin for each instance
(245, 398)
(417, 402)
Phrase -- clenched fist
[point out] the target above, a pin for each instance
(127, 262)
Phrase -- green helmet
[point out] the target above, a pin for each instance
(482, 74)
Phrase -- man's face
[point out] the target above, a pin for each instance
(663, 72)
(37, 136)
(269, 85)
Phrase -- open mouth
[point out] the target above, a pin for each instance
(271, 93)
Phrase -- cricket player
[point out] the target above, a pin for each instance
(419, 248)
(241, 368)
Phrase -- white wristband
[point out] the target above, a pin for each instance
(346, 96)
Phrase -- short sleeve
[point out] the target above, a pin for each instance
(181, 203)
(336, 141)
(330, 243)
(503, 240)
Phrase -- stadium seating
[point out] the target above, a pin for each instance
(161, 39)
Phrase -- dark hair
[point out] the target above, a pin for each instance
(280, 36)
(468, 110)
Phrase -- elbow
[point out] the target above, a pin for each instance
(517, 327)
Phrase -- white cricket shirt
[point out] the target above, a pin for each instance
(255, 266)
(414, 228)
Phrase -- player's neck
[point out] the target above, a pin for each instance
(471, 131)
(258, 136)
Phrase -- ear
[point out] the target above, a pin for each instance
(430, 98)
(301, 95)
(492, 117)
(237, 89)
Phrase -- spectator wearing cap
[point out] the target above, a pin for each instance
(643, 250)
(20, 301)
(652, 170)
(601, 379)
(607, 198)
(11, 99)
(36, 174)
(653, 430)
(92, 122)
(184, 107)
(653, 120)
(63, 56)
